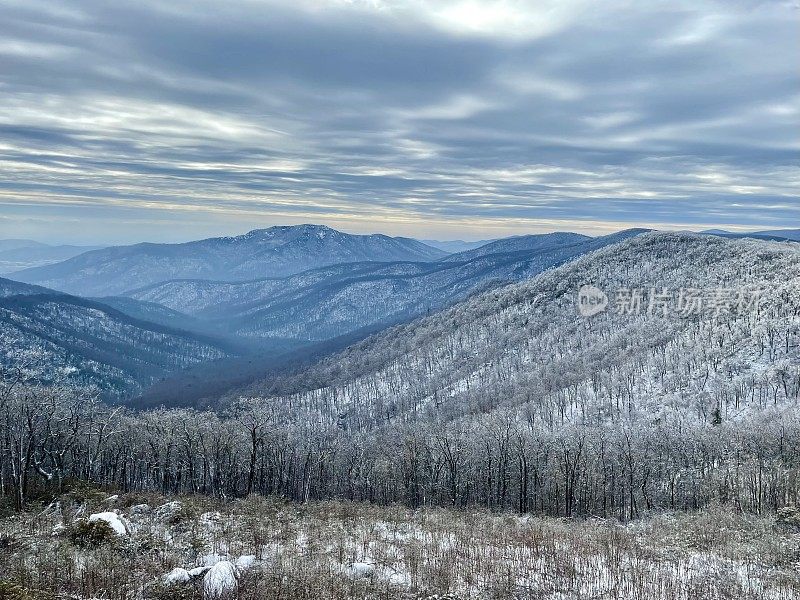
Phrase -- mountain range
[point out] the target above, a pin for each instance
(215, 335)
(325, 303)
(57, 338)
(17, 254)
(273, 252)
(453, 246)
(775, 234)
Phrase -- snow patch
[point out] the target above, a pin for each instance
(360, 570)
(113, 520)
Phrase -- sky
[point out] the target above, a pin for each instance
(167, 121)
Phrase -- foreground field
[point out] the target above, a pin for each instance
(131, 547)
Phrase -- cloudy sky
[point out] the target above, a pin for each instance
(170, 120)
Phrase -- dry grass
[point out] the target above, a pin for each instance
(336, 550)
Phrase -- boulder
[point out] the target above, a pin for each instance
(220, 581)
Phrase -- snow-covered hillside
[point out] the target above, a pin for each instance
(15, 288)
(525, 345)
(61, 339)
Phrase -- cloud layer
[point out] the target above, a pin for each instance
(172, 120)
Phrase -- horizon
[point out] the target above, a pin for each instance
(449, 120)
(465, 239)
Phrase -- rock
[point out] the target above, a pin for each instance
(209, 560)
(167, 511)
(360, 570)
(114, 521)
(220, 581)
(177, 576)
(243, 563)
(198, 572)
(139, 509)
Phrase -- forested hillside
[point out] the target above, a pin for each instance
(517, 243)
(512, 398)
(15, 288)
(497, 348)
(55, 338)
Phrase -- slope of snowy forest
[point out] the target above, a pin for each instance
(52, 337)
(526, 345)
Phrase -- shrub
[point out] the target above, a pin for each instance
(161, 591)
(12, 591)
(83, 492)
(91, 534)
(788, 516)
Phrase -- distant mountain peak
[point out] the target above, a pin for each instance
(272, 252)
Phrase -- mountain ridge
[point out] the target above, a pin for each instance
(335, 300)
(56, 337)
(275, 251)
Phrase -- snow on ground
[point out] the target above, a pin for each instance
(222, 548)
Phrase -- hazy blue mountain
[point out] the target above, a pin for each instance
(56, 337)
(454, 246)
(325, 303)
(776, 235)
(519, 243)
(24, 254)
(13, 244)
(789, 234)
(717, 232)
(273, 252)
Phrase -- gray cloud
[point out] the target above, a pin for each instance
(172, 120)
